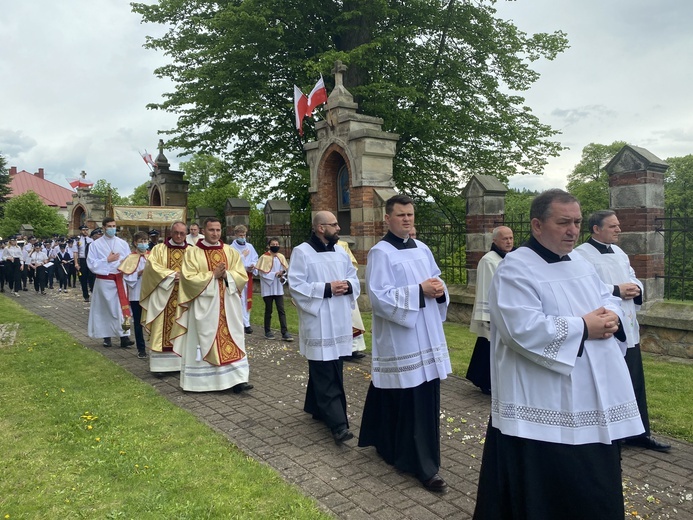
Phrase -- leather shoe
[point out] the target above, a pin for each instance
(649, 443)
(126, 343)
(342, 436)
(435, 484)
(358, 355)
(241, 387)
(248, 330)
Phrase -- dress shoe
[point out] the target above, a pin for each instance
(248, 330)
(126, 342)
(242, 387)
(342, 436)
(435, 484)
(358, 355)
(649, 443)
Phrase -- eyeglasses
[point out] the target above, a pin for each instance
(336, 224)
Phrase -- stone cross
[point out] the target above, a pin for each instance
(161, 146)
(339, 68)
(83, 174)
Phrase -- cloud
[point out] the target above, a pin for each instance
(572, 116)
(13, 143)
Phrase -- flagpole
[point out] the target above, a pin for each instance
(145, 161)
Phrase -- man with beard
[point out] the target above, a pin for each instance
(212, 351)
(479, 371)
(401, 416)
(324, 286)
(159, 299)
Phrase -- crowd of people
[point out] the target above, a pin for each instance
(558, 347)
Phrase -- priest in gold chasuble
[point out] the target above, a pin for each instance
(212, 350)
(159, 299)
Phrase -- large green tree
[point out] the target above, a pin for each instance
(444, 75)
(104, 188)
(212, 183)
(4, 184)
(589, 181)
(140, 195)
(28, 208)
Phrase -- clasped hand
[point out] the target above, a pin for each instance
(601, 323)
(433, 288)
(339, 287)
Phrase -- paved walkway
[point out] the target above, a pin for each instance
(350, 482)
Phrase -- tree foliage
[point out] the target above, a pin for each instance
(29, 209)
(444, 76)
(140, 195)
(103, 187)
(5, 189)
(678, 184)
(212, 183)
(589, 181)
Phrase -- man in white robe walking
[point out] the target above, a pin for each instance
(479, 371)
(613, 266)
(561, 394)
(401, 416)
(212, 351)
(249, 258)
(109, 313)
(324, 286)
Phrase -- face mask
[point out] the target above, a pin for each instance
(274, 249)
(142, 247)
(241, 241)
(110, 232)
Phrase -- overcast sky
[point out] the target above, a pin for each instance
(76, 80)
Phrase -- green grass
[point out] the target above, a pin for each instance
(669, 383)
(82, 438)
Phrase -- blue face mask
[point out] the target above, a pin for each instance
(241, 241)
(142, 247)
(110, 232)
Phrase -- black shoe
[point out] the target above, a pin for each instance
(86, 300)
(269, 335)
(248, 330)
(142, 354)
(126, 343)
(649, 443)
(107, 342)
(357, 355)
(435, 484)
(287, 337)
(241, 387)
(25, 289)
(342, 436)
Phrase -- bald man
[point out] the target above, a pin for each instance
(479, 371)
(324, 286)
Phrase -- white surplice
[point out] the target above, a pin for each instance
(541, 388)
(325, 331)
(480, 323)
(409, 346)
(614, 269)
(249, 258)
(105, 313)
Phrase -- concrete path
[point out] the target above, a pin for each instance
(268, 424)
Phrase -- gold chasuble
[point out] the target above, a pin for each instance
(217, 299)
(159, 295)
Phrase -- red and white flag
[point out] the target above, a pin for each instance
(317, 96)
(80, 183)
(301, 108)
(147, 158)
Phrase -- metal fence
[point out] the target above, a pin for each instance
(677, 229)
(448, 243)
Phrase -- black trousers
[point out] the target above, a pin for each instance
(136, 309)
(40, 278)
(325, 398)
(61, 273)
(85, 274)
(2, 275)
(637, 377)
(14, 275)
(279, 302)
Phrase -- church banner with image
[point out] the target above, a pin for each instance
(151, 216)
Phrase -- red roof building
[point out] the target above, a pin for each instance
(50, 193)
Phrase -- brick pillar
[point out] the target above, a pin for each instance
(485, 196)
(278, 224)
(236, 213)
(636, 192)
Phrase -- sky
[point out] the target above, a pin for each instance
(76, 81)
